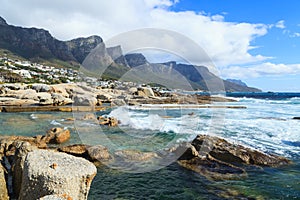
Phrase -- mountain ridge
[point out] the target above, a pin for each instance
(39, 44)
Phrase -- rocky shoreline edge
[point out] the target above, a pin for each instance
(19, 97)
(41, 167)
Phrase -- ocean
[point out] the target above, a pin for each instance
(265, 124)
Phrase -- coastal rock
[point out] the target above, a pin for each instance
(105, 98)
(56, 197)
(110, 121)
(84, 100)
(3, 186)
(148, 91)
(297, 118)
(91, 153)
(60, 100)
(8, 101)
(57, 135)
(135, 155)
(15, 86)
(216, 158)
(89, 116)
(45, 98)
(213, 169)
(22, 149)
(222, 150)
(8, 143)
(98, 153)
(40, 87)
(48, 173)
(62, 89)
(118, 102)
(132, 90)
(75, 150)
(28, 94)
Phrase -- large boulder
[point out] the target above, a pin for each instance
(22, 149)
(3, 186)
(216, 158)
(62, 89)
(224, 151)
(48, 173)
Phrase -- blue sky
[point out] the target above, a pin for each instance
(257, 41)
(282, 44)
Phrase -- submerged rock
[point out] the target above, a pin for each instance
(135, 155)
(98, 153)
(47, 173)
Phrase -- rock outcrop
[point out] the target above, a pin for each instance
(135, 59)
(48, 173)
(216, 158)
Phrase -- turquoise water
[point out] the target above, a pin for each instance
(266, 125)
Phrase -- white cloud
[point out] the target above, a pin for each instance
(280, 24)
(263, 69)
(227, 43)
(295, 34)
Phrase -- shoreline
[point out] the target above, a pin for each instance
(13, 109)
(81, 97)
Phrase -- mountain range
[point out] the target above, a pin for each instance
(40, 46)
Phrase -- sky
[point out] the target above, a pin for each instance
(257, 41)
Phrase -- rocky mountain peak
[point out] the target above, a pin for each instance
(135, 59)
(239, 82)
(3, 22)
